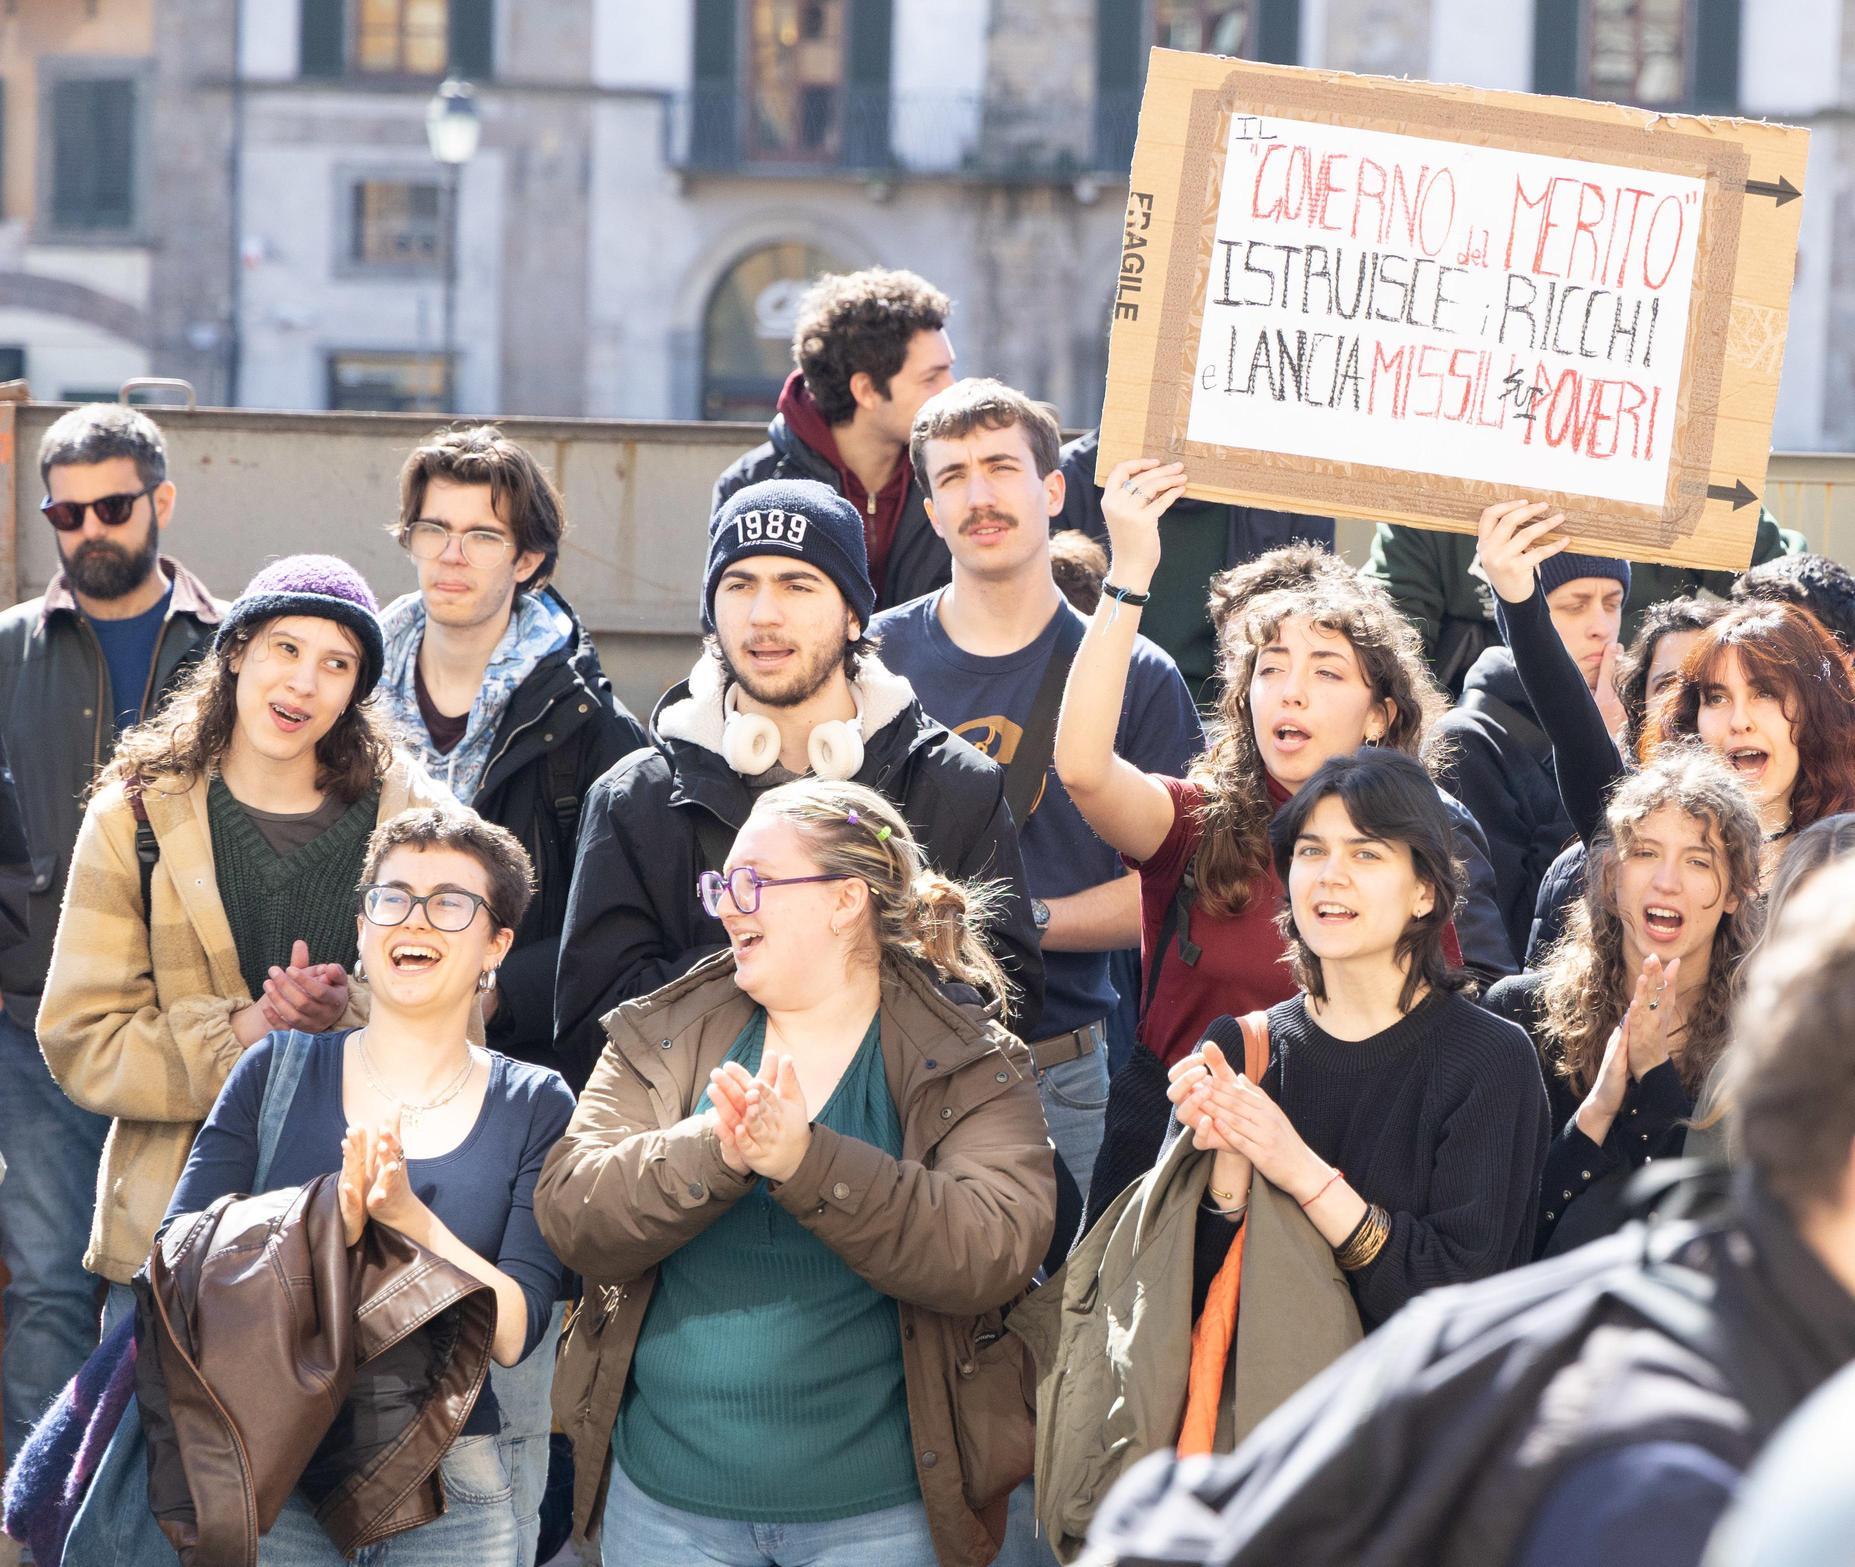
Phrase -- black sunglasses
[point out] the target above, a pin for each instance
(112, 510)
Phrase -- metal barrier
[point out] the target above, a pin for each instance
(254, 485)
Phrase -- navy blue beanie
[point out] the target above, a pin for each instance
(1568, 567)
(799, 518)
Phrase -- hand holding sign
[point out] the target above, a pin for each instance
(1514, 541)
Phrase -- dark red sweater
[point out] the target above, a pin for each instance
(882, 512)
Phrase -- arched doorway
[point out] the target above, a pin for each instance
(747, 328)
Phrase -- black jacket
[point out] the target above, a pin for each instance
(1499, 764)
(15, 861)
(633, 922)
(57, 722)
(918, 561)
(563, 729)
(1436, 1441)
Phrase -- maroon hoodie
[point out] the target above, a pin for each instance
(881, 512)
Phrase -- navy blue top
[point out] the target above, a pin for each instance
(483, 1189)
(129, 651)
(987, 701)
(1653, 1504)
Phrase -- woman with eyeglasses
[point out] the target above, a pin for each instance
(803, 1184)
(211, 891)
(433, 1136)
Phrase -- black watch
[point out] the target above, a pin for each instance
(1040, 914)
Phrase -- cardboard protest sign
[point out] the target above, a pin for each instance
(1362, 297)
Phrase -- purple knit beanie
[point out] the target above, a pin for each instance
(318, 585)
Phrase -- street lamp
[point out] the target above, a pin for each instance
(452, 130)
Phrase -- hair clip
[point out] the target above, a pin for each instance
(882, 834)
(851, 816)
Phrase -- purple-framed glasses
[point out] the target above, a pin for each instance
(743, 884)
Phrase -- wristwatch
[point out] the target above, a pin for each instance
(1040, 914)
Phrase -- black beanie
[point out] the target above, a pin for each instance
(1567, 566)
(800, 518)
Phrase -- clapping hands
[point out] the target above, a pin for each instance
(374, 1183)
(307, 996)
(762, 1122)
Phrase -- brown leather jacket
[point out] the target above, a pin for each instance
(270, 1354)
(953, 1230)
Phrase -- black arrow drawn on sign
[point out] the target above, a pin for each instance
(1781, 192)
(1739, 495)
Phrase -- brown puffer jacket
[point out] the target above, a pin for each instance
(952, 1230)
(271, 1354)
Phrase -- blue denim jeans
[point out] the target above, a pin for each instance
(524, 1401)
(639, 1532)
(476, 1529)
(1025, 1545)
(52, 1151)
(1075, 1097)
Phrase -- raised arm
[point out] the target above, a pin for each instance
(1129, 809)
(1513, 543)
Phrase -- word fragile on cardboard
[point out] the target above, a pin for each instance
(1391, 300)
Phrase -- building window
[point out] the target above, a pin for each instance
(402, 37)
(1636, 51)
(12, 362)
(396, 224)
(796, 80)
(93, 134)
(386, 383)
(1205, 26)
(747, 329)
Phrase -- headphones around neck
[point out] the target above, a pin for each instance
(750, 741)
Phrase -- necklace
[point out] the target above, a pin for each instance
(411, 1115)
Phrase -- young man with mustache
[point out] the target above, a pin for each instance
(99, 651)
(788, 685)
(978, 653)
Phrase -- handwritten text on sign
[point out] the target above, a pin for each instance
(1456, 309)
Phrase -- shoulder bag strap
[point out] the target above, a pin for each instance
(289, 1055)
(1037, 740)
(1255, 1026)
(1177, 922)
(147, 846)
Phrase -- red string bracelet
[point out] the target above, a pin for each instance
(1338, 1175)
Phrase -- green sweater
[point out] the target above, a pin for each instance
(272, 901)
(767, 1381)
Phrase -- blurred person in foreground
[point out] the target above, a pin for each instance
(1595, 1408)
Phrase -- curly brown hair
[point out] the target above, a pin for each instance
(1587, 983)
(851, 322)
(1248, 605)
(186, 740)
(1787, 650)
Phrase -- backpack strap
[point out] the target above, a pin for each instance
(147, 845)
(289, 1055)
(1024, 774)
(563, 788)
(1255, 1026)
(1178, 922)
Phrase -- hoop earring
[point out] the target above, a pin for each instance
(360, 970)
(486, 980)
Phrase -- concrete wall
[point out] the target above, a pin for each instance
(255, 485)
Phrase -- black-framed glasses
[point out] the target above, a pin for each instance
(112, 510)
(448, 910)
(743, 884)
(483, 547)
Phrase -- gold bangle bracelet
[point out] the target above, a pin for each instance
(1366, 1242)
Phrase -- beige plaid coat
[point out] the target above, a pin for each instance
(136, 1020)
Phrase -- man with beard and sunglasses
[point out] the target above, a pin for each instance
(115, 630)
(788, 685)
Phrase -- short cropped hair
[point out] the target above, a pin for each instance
(520, 490)
(980, 403)
(851, 322)
(99, 431)
(506, 866)
(1793, 1071)
(1390, 797)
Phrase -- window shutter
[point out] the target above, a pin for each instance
(1278, 31)
(1555, 47)
(473, 39)
(869, 49)
(93, 154)
(715, 87)
(1716, 55)
(1120, 69)
(322, 45)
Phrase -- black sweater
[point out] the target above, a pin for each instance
(1441, 1120)
(1651, 1125)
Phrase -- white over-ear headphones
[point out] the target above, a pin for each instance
(750, 741)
